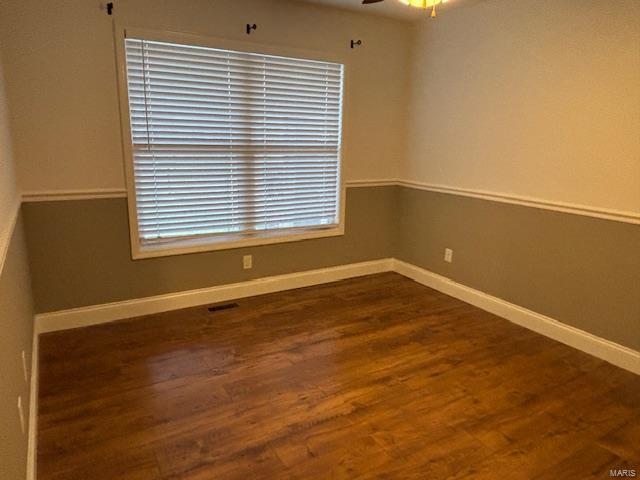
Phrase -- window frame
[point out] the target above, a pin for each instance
(217, 242)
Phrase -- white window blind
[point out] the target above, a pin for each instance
(228, 142)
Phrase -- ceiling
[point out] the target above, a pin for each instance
(390, 8)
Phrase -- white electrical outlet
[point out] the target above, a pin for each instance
(21, 413)
(448, 255)
(247, 262)
(24, 367)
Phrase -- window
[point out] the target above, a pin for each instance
(230, 148)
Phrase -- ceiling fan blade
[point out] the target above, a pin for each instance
(367, 2)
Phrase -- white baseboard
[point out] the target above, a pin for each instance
(109, 312)
(80, 317)
(598, 347)
(33, 412)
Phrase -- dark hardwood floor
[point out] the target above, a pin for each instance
(375, 377)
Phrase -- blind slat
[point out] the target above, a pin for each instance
(231, 142)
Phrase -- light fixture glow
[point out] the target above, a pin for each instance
(424, 4)
(421, 3)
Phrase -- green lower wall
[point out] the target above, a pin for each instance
(16, 324)
(579, 270)
(80, 254)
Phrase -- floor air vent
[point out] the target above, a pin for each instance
(226, 306)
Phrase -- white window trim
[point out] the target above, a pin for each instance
(223, 242)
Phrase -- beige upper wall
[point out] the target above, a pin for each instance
(537, 99)
(16, 308)
(8, 191)
(62, 79)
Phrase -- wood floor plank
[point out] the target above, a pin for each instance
(373, 377)
(591, 462)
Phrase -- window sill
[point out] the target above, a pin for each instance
(184, 247)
